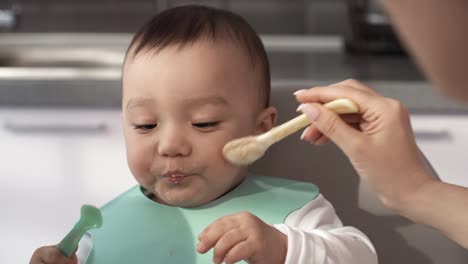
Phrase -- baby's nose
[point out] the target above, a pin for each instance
(173, 143)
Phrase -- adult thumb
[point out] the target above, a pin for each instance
(331, 125)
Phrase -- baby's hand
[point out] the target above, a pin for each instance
(50, 254)
(243, 236)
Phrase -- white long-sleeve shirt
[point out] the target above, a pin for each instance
(315, 236)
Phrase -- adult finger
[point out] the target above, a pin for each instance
(312, 135)
(331, 125)
(330, 93)
(322, 140)
(353, 83)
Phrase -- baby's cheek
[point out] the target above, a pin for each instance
(138, 162)
(208, 150)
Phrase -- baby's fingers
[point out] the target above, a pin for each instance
(51, 255)
(241, 251)
(226, 243)
(210, 236)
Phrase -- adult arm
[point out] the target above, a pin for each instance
(384, 153)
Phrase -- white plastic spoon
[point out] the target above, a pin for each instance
(246, 150)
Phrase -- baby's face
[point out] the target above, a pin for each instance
(180, 107)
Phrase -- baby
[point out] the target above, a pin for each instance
(195, 78)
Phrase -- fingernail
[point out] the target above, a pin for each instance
(304, 133)
(311, 111)
(199, 247)
(299, 108)
(298, 91)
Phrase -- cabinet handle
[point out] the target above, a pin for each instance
(431, 135)
(56, 128)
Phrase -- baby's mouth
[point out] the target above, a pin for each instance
(176, 176)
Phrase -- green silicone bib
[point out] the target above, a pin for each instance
(139, 230)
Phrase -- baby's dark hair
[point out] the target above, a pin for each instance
(189, 23)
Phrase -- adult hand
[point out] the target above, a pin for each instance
(379, 143)
(243, 236)
(51, 255)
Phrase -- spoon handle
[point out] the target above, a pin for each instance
(279, 132)
(70, 242)
(339, 106)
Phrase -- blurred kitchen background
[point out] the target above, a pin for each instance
(60, 137)
(68, 53)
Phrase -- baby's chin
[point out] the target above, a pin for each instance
(181, 197)
(179, 202)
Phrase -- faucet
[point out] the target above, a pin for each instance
(10, 17)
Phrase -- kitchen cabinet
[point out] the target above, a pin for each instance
(444, 141)
(52, 162)
(55, 160)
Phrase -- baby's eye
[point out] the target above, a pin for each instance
(206, 125)
(145, 127)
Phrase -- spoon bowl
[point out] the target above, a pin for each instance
(90, 217)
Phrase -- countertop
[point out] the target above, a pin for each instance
(295, 62)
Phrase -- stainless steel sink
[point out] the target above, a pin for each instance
(61, 70)
(60, 58)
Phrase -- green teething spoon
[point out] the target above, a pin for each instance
(90, 218)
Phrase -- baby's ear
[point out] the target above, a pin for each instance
(266, 120)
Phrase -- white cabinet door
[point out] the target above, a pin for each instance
(52, 162)
(444, 141)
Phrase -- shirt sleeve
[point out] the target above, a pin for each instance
(84, 248)
(316, 235)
